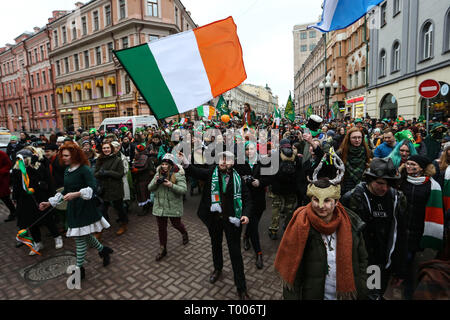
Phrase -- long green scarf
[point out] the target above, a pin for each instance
(356, 163)
(216, 203)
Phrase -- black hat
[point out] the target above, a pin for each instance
(51, 147)
(382, 168)
(285, 143)
(422, 161)
(314, 122)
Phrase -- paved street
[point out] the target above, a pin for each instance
(133, 273)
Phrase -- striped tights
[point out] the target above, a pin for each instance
(82, 246)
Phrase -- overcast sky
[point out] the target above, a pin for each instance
(264, 28)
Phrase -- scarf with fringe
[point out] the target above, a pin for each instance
(290, 251)
(216, 203)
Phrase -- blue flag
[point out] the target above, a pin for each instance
(339, 14)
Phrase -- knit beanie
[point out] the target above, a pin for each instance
(422, 161)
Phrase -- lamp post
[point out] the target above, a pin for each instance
(326, 84)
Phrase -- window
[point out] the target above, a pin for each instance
(98, 55)
(304, 48)
(58, 68)
(382, 64)
(303, 36)
(55, 37)
(76, 62)
(48, 46)
(122, 9)
(64, 34)
(312, 34)
(44, 78)
(74, 31)
(363, 76)
(426, 44)
(35, 56)
(349, 81)
(356, 79)
(176, 15)
(40, 103)
(349, 43)
(340, 49)
(152, 7)
(396, 7)
(96, 25)
(153, 38)
(396, 57)
(383, 14)
(34, 104)
(31, 81)
(447, 31)
(46, 103)
(124, 42)
(127, 84)
(66, 65)
(42, 52)
(312, 46)
(86, 59)
(110, 52)
(107, 15)
(84, 25)
(38, 80)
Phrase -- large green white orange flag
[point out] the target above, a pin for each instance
(180, 72)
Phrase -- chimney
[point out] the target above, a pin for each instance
(36, 29)
(79, 4)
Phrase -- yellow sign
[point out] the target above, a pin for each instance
(84, 108)
(62, 110)
(106, 106)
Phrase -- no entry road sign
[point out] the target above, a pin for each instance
(429, 89)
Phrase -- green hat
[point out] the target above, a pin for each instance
(358, 120)
(13, 138)
(124, 129)
(93, 130)
(437, 126)
(247, 143)
(421, 118)
(406, 135)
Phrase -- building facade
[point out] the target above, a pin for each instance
(260, 98)
(409, 42)
(90, 84)
(305, 40)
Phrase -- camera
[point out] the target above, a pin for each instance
(248, 179)
(160, 180)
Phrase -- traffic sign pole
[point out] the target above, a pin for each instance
(428, 116)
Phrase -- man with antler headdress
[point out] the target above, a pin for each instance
(322, 255)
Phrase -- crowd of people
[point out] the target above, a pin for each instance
(377, 190)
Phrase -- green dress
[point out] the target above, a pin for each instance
(82, 215)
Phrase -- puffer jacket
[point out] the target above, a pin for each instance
(309, 283)
(109, 172)
(357, 200)
(169, 201)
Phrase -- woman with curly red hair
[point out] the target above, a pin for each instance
(83, 218)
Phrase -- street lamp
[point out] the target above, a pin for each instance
(327, 86)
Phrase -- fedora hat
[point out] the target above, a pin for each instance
(382, 168)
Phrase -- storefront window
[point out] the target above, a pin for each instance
(388, 107)
(439, 105)
(108, 114)
(87, 120)
(67, 120)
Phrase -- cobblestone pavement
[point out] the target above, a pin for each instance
(133, 273)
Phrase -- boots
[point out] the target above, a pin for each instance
(247, 245)
(162, 253)
(82, 273)
(106, 251)
(185, 238)
(259, 261)
(123, 228)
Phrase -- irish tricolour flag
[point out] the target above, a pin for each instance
(206, 111)
(180, 72)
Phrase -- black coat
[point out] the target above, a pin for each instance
(258, 195)
(109, 172)
(27, 205)
(282, 185)
(204, 210)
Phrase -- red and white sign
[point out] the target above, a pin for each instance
(429, 89)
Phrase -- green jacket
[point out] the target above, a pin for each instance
(169, 201)
(309, 283)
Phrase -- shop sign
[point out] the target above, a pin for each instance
(62, 110)
(354, 100)
(107, 106)
(84, 108)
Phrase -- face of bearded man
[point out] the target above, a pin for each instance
(225, 165)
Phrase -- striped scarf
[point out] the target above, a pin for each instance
(216, 203)
(433, 233)
(446, 190)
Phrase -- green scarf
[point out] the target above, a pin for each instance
(215, 193)
(356, 163)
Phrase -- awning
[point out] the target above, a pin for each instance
(111, 80)
(77, 87)
(99, 83)
(68, 89)
(87, 85)
(59, 91)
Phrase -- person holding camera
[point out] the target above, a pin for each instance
(256, 183)
(109, 171)
(169, 186)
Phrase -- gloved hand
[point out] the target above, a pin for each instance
(235, 221)
(102, 172)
